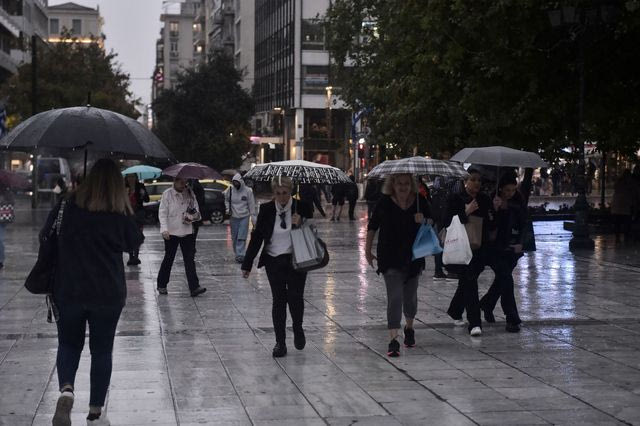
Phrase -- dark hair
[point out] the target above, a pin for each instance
(103, 190)
(507, 179)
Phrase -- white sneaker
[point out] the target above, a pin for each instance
(101, 421)
(459, 323)
(475, 331)
(62, 417)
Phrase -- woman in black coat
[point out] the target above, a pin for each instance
(137, 197)
(272, 234)
(470, 202)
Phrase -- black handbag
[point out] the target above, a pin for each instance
(41, 278)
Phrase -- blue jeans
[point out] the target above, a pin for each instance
(2, 231)
(71, 333)
(239, 232)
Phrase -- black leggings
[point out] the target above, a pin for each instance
(503, 263)
(466, 296)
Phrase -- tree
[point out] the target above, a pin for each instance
(443, 74)
(67, 72)
(205, 118)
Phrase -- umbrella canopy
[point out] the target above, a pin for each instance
(299, 171)
(143, 172)
(417, 166)
(500, 156)
(13, 180)
(191, 171)
(88, 128)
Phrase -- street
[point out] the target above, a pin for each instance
(207, 360)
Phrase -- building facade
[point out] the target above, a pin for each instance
(79, 22)
(298, 115)
(20, 20)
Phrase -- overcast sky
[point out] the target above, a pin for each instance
(132, 28)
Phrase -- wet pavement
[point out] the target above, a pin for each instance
(179, 360)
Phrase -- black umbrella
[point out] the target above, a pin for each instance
(91, 129)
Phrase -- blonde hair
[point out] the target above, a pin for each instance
(281, 181)
(103, 190)
(387, 188)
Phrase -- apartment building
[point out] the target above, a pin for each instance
(80, 22)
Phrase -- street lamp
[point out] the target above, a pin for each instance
(578, 20)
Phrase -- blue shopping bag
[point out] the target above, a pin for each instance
(426, 242)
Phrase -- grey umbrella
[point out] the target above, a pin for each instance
(87, 128)
(500, 156)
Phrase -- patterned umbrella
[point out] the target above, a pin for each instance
(417, 166)
(300, 171)
(191, 171)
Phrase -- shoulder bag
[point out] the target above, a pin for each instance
(309, 251)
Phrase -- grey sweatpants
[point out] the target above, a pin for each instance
(402, 296)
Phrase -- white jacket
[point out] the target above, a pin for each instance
(240, 202)
(173, 205)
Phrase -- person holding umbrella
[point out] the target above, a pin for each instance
(398, 216)
(177, 212)
(471, 202)
(138, 195)
(272, 234)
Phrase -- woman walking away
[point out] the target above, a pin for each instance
(505, 252)
(338, 193)
(177, 212)
(137, 197)
(273, 234)
(475, 208)
(96, 227)
(7, 201)
(398, 216)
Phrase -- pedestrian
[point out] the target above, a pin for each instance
(439, 197)
(398, 216)
(504, 253)
(352, 196)
(372, 194)
(272, 234)
(309, 193)
(198, 192)
(470, 202)
(96, 227)
(338, 193)
(241, 205)
(626, 198)
(137, 197)
(177, 212)
(59, 190)
(7, 201)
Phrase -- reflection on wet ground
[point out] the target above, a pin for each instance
(179, 360)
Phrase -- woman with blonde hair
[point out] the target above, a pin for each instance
(96, 227)
(398, 216)
(272, 234)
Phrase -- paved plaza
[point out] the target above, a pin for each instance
(180, 360)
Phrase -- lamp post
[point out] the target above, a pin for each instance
(577, 21)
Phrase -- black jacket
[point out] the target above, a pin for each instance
(456, 206)
(261, 235)
(141, 196)
(90, 246)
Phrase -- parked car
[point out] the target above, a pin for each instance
(155, 190)
(220, 185)
(213, 209)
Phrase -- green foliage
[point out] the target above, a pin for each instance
(67, 72)
(443, 74)
(205, 117)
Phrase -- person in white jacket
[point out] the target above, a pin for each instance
(177, 212)
(241, 205)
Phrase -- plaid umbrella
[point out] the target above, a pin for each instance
(300, 171)
(417, 166)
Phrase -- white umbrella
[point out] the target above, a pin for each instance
(299, 171)
(500, 156)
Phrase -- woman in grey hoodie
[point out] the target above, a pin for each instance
(241, 206)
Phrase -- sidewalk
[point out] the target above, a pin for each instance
(179, 360)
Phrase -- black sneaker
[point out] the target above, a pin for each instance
(62, 416)
(299, 340)
(440, 276)
(198, 291)
(162, 290)
(488, 316)
(409, 337)
(279, 350)
(512, 328)
(394, 348)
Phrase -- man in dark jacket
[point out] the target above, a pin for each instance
(352, 196)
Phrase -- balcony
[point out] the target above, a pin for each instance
(7, 63)
(9, 23)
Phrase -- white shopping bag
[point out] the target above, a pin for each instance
(457, 250)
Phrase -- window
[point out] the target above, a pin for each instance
(76, 26)
(173, 50)
(174, 29)
(316, 79)
(54, 26)
(312, 34)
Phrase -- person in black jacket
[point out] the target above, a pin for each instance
(309, 194)
(96, 227)
(398, 216)
(470, 202)
(352, 196)
(272, 233)
(198, 192)
(372, 194)
(137, 197)
(338, 193)
(505, 252)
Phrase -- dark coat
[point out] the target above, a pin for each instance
(90, 246)
(141, 196)
(261, 234)
(456, 206)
